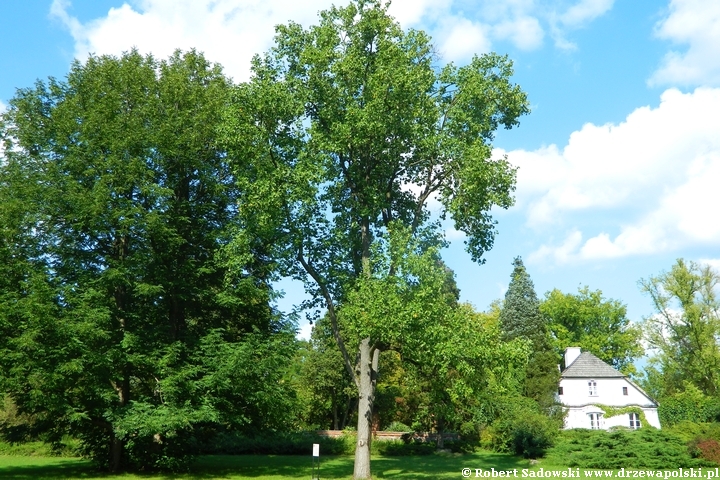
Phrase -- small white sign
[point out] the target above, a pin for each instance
(316, 449)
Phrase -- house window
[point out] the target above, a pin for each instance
(560, 390)
(625, 391)
(595, 419)
(634, 421)
(592, 386)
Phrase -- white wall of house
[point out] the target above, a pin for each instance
(581, 402)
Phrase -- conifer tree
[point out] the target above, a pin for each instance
(521, 318)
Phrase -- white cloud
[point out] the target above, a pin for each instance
(574, 17)
(713, 263)
(3, 107)
(230, 32)
(658, 171)
(695, 23)
(304, 331)
(452, 234)
(413, 12)
(524, 31)
(461, 38)
(584, 11)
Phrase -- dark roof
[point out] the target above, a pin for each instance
(588, 365)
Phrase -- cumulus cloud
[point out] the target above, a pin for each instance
(461, 38)
(658, 170)
(695, 23)
(230, 32)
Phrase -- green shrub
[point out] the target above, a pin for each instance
(296, 443)
(644, 448)
(521, 429)
(398, 427)
(532, 435)
(400, 448)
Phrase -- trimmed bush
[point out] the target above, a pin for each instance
(644, 448)
(296, 443)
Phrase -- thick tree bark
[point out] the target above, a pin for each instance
(369, 359)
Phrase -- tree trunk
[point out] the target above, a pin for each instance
(440, 431)
(335, 414)
(369, 358)
(116, 451)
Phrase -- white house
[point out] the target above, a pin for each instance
(588, 384)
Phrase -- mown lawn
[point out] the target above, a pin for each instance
(268, 467)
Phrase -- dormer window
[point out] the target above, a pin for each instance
(592, 387)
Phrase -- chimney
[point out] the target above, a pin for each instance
(571, 353)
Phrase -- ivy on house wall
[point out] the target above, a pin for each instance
(616, 411)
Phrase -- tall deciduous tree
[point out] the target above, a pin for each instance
(595, 324)
(360, 129)
(686, 327)
(521, 318)
(121, 321)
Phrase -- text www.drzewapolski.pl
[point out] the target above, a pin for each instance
(706, 473)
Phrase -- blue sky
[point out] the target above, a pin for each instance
(619, 161)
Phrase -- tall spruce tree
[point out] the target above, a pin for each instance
(521, 318)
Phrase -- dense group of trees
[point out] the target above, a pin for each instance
(147, 206)
(123, 318)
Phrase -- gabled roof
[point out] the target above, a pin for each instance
(587, 365)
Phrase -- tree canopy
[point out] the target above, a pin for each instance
(358, 129)
(685, 328)
(520, 318)
(121, 320)
(595, 324)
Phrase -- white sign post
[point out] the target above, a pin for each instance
(316, 461)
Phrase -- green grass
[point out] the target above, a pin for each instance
(269, 467)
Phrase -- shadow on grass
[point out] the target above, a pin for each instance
(40, 468)
(271, 467)
(441, 466)
(207, 467)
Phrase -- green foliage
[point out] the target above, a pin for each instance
(123, 321)
(611, 411)
(398, 427)
(689, 405)
(595, 324)
(278, 443)
(521, 428)
(346, 114)
(66, 447)
(521, 318)
(644, 448)
(325, 391)
(686, 328)
(400, 448)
